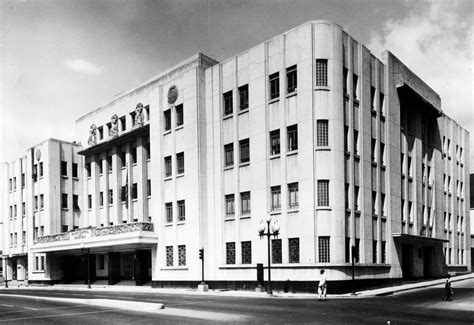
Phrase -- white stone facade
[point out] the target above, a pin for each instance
(340, 148)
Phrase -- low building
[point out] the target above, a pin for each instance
(350, 156)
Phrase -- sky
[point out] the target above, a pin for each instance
(62, 59)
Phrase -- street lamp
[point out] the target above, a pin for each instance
(5, 271)
(273, 231)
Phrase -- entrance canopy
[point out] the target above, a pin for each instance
(99, 239)
(413, 239)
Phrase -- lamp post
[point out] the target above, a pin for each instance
(273, 231)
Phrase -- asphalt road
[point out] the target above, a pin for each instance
(416, 306)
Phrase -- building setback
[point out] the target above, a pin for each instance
(340, 148)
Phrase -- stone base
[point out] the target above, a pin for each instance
(203, 288)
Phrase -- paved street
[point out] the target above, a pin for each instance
(85, 307)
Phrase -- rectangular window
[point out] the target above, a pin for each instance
(355, 86)
(109, 163)
(292, 137)
(244, 97)
(111, 196)
(293, 200)
(323, 253)
(23, 180)
(384, 252)
(182, 255)
(64, 201)
(124, 193)
(275, 142)
(63, 168)
(134, 191)
(291, 79)
(88, 170)
(322, 139)
(89, 201)
(230, 253)
(323, 193)
(246, 252)
(15, 213)
(10, 188)
(228, 109)
(244, 151)
(347, 250)
(23, 238)
(276, 198)
(74, 170)
(75, 202)
(36, 206)
(23, 209)
(41, 201)
(274, 85)
(14, 183)
(245, 203)
(35, 173)
(169, 212)
(276, 251)
(179, 115)
(372, 99)
(181, 210)
(294, 250)
(41, 169)
(168, 167)
(321, 72)
(180, 163)
(100, 164)
(148, 191)
(123, 123)
(167, 120)
(133, 155)
(229, 205)
(11, 209)
(101, 199)
(123, 159)
(169, 255)
(229, 154)
(146, 148)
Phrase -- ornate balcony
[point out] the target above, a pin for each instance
(137, 233)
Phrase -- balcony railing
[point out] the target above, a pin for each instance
(90, 232)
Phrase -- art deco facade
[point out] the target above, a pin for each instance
(340, 148)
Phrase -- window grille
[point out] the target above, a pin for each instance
(180, 162)
(230, 253)
(169, 255)
(321, 72)
(276, 251)
(246, 252)
(323, 193)
(181, 255)
(179, 115)
(294, 250)
(322, 133)
(324, 253)
(167, 120)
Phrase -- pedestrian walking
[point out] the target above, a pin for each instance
(447, 288)
(322, 286)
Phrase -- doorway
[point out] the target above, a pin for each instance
(427, 261)
(407, 258)
(127, 269)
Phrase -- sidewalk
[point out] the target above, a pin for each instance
(253, 294)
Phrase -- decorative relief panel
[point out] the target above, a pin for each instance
(139, 120)
(92, 136)
(172, 94)
(114, 129)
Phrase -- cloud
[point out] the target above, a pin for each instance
(83, 66)
(435, 41)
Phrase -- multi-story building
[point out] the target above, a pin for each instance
(350, 155)
(40, 197)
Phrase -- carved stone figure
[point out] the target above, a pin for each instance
(139, 120)
(92, 135)
(114, 130)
